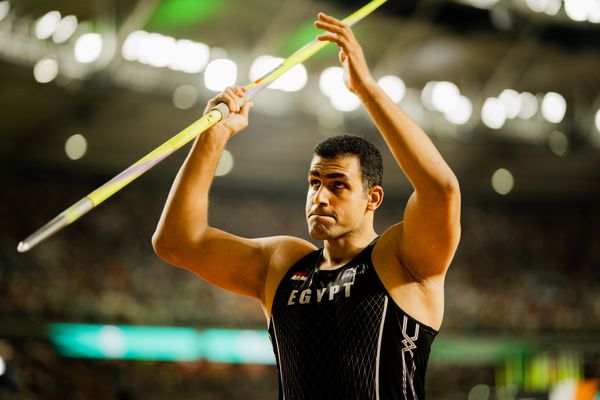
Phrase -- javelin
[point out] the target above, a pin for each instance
(215, 115)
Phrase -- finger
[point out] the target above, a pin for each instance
(229, 99)
(333, 39)
(212, 103)
(240, 99)
(238, 94)
(331, 27)
(235, 91)
(328, 18)
(246, 108)
(334, 25)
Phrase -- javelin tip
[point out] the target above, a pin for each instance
(23, 247)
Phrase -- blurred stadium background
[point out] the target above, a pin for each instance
(507, 89)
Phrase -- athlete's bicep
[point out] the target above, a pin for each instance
(225, 260)
(430, 233)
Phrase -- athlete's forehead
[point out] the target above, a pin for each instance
(338, 167)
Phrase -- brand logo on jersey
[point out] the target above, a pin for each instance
(300, 276)
(360, 269)
(349, 274)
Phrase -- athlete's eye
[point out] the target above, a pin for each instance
(339, 185)
(314, 183)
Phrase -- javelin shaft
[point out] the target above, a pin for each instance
(111, 187)
(307, 51)
(87, 203)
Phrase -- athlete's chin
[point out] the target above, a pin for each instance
(318, 235)
(322, 232)
(319, 232)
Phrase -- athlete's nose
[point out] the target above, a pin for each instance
(321, 196)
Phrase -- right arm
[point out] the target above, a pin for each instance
(183, 236)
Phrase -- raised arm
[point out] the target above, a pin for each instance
(183, 237)
(428, 237)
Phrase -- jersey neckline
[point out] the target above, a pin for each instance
(352, 260)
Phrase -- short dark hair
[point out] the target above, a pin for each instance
(369, 156)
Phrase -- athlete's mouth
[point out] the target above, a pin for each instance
(319, 214)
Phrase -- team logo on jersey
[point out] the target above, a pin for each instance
(300, 276)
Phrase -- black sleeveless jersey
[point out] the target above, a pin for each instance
(338, 335)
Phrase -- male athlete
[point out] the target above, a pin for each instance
(354, 320)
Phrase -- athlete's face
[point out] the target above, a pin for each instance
(336, 203)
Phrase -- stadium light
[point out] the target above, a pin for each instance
(493, 114)
(65, 29)
(4, 9)
(88, 48)
(331, 83)
(45, 70)
(46, 25)
(393, 86)
(554, 107)
(219, 74)
(502, 181)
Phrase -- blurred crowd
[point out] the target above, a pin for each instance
(526, 269)
(518, 268)
(34, 371)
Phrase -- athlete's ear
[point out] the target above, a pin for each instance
(375, 197)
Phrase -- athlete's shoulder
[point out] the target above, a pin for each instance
(285, 249)
(284, 252)
(387, 243)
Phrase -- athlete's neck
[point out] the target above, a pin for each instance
(339, 251)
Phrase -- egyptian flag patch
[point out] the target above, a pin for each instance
(300, 276)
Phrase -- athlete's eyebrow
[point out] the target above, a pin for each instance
(331, 175)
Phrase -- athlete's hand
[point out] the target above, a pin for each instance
(239, 108)
(356, 70)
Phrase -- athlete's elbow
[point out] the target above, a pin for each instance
(163, 248)
(452, 200)
(442, 190)
(452, 188)
(166, 246)
(175, 247)
(446, 190)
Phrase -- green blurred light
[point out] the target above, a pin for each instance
(471, 350)
(161, 343)
(125, 342)
(303, 35)
(181, 13)
(245, 346)
(239, 346)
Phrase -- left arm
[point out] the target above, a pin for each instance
(428, 237)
